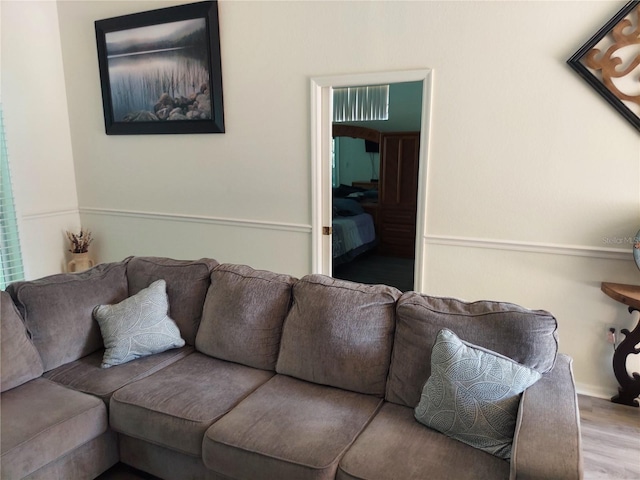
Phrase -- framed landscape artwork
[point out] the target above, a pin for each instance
(610, 62)
(161, 72)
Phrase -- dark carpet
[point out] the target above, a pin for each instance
(376, 269)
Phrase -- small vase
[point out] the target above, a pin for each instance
(79, 262)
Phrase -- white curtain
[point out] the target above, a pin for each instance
(352, 104)
(11, 268)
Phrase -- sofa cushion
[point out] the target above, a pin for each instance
(161, 462)
(57, 310)
(339, 333)
(86, 375)
(288, 428)
(187, 284)
(19, 359)
(527, 336)
(243, 315)
(395, 446)
(473, 394)
(88, 461)
(175, 406)
(137, 326)
(42, 421)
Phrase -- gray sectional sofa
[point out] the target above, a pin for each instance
(280, 378)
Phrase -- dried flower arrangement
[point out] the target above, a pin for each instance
(80, 241)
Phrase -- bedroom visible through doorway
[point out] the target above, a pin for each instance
(369, 183)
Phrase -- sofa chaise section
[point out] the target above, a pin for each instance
(43, 421)
(57, 311)
(48, 431)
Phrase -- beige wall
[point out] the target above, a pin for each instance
(38, 139)
(532, 177)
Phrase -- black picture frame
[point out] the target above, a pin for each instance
(577, 62)
(162, 60)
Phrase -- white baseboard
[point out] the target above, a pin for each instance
(595, 391)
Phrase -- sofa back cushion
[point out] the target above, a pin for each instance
(339, 333)
(527, 336)
(57, 310)
(187, 284)
(19, 359)
(243, 315)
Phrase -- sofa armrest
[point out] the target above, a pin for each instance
(547, 442)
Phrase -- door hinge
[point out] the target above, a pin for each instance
(327, 230)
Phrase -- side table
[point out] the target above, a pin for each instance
(629, 389)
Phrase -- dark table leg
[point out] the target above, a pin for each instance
(629, 389)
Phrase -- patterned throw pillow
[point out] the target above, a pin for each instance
(137, 326)
(473, 394)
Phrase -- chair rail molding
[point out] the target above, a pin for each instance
(531, 247)
(204, 219)
(49, 214)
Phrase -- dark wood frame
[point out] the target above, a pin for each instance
(575, 63)
(353, 131)
(207, 10)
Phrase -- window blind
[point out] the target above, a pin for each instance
(11, 268)
(351, 104)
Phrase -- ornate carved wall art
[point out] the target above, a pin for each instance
(610, 62)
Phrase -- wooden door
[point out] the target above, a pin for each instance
(399, 161)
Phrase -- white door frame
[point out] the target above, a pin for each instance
(321, 126)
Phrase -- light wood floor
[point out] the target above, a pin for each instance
(610, 439)
(610, 443)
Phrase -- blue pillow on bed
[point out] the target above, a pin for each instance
(347, 207)
(370, 194)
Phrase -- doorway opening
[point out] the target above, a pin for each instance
(392, 191)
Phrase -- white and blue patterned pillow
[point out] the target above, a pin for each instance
(473, 394)
(137, 326)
